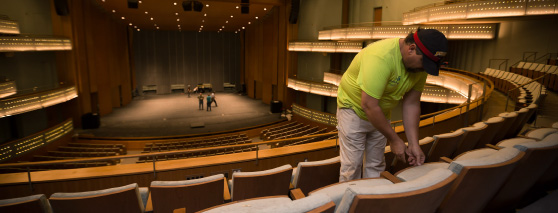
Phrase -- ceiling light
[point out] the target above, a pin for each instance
(146, 12)
(203, 20)
(123, 17)
(226, 22)
(231, 16)
(179, 25)
(205, 14)
(103, 0)
(223, 26)
(265, 8)
(130, 24)
(151, 18)
(175, 3)
(157, 27)
(202, 26)
(177, 19)
(138, 30)
(249, 22)
(175, 13)
(139, 2)
(114, 11)
(243, 28)
(207, 5)
(256, 17)
(136, 27)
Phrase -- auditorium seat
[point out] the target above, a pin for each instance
(194, 195)
(480, 173)
(336, 191)
(539, 155)
(423, 194)
(444, 145)
(509, 119)
(494, 125)
(518, 124)
(308, 176)
(118, 199)
(246, 185)
(540, 133)
(425, 145)
(471, 137)
(34, 203)
(314, 204)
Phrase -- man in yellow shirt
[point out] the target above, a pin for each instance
(379, 76)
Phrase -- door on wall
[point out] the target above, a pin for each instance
(377, 16)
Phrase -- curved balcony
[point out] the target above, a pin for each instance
(25, 103)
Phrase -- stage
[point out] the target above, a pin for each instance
(175, 114)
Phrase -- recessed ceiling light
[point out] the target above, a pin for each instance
(151, 18)
(203, 20)
(236, 7)
(243, 28)
(256, 17)
(202, 26)
(139, 2)
(138, 30)
(175, 13)
(179, 25)
(123, 17)
(146, 12)
(205, 14)
(265, 8)
(136, 27)
(207, 5)
(130, 24)
(177, 19)
(235, 31)
(175, 3)
(249, 22)
(227, 22)
(103, 0)
(157, 27)
(223, 26)
(231, 16)
(114, 11)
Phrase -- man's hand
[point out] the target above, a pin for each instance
(399, 148)
(416, 156)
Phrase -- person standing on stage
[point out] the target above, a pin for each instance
(208, 103)
(189, 90)
(213, 98)
(379, 77)
(200, 98)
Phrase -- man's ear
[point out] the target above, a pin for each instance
(412, 48)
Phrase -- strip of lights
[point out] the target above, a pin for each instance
(321, 117)
(19, 147)
(33, 43)
(9, 26)
(327, 46)
(480, 9)
(18, 105)
(452, 31)
(7, 88)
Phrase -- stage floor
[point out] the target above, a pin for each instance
(176, 114)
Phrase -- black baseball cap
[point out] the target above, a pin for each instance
(434, 47)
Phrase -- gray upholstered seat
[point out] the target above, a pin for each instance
(540, 133)
(336, 191)
(318, 203)
(423, 194)
(246, 185)
(33, 203)
(471, 137)
(308, 176)
(118, 199)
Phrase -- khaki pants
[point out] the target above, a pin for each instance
(359, 141)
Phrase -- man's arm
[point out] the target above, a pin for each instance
(378, 119)
(411, 118)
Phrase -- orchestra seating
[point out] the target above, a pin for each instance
(308, 176)
(129, 198)
(34, 203)
(444, 145)
(246, 185)
(194, 195)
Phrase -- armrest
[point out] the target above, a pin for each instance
(390, 177)
(226, 192)
(446, 159)
(180, 210)
(493, 147)
(149, 204)
(296, 194)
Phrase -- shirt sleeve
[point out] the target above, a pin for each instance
(373, 76)
(419, 85)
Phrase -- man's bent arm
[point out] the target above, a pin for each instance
(376, 117)
(411, 118)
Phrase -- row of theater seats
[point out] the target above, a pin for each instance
(493, 179)
(505, 81)
(201, 143)
(195, 154)
(304, 141)
(74, 151)
(290, 130)
(535, 70)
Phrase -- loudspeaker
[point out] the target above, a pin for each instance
(90, 121)
(133, 4)
(198, 6)
(293, 17)
(187, 5)
(244, 9)
(276, 106)
(61, 7)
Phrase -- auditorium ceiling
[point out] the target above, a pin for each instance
(215, 15)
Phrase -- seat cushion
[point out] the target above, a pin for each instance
(539, 134)
(301, 205)
(252, 205)
(499, 156)
(514, 141)
(336, 191)
(416, 172)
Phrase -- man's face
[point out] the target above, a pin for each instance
(412, 60)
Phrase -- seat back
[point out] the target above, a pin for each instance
(425, 145)
(471, 137)
(33, 203)
(480, 172)
(194, 195)
(118, 199)
(494, 125)
(518, 123)
(420, 195)
(509, 119)
(539, 156)
(271, 182)
(444, 145)
(313, 175)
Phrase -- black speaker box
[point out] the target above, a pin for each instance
(198, 6)
(293, 17)
(244, 9)
(187, 5)
(90, 121)
(276, 106)
(62, 8)
(133, 4)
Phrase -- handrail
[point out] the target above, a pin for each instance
(528, 82)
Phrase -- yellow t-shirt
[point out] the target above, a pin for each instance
(378, 70)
